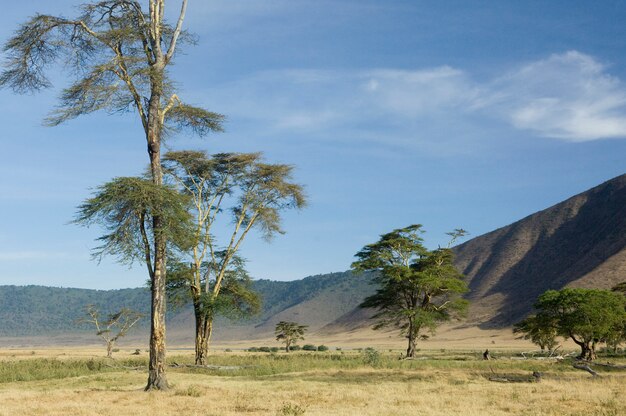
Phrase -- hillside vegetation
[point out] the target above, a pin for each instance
(315, 301)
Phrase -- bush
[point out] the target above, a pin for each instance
(309, 347)
(322, 348)
(264, 349)
(253, 349)
(371, 357)
(294, 348)
(274, 349)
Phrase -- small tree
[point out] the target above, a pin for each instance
(114, 327)
(418, 288)
(289, 333)
(587, 316)
(539, 331)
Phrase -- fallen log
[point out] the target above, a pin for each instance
(585, 367)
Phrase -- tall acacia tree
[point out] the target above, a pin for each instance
(253, 194)
(419, 288)
(119, 54)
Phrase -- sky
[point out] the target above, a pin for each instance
(451, 114)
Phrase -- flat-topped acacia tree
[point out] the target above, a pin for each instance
(119, 53)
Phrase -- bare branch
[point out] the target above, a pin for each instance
(179, 26)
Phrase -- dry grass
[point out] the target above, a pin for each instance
(302, 385)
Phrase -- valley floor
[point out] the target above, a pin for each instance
(74, 382)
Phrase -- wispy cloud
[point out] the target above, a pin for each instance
(569, 96)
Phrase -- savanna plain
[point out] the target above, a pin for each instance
(354, 381)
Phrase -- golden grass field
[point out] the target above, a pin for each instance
(444, 383)
(448, 378)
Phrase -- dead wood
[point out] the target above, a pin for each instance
(583, 366)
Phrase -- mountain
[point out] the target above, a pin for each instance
(580, 242)
(313, 301)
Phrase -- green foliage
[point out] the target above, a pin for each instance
(587, 316)
(309, 347)
(540, 330)
(322, 348)
(125, 207)
(418, 288)
(371, 357)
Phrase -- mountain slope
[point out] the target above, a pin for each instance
(580, 242)
(313, 301)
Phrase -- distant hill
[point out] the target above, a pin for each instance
(313, 301)
(580, 242)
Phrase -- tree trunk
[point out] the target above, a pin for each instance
(204, 329)
(412, 333)
(410, 351)
(109, 349)
(157, 365)
(587, 352)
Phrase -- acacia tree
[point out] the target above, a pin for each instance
(289, 333)
(119, 54)
(418, 288)
(115, 326)
(253, 194)
(587, 316)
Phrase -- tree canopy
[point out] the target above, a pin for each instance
(240, 192)
(587, 316)
(419, 288)
(289, 333)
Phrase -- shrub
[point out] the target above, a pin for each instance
(309, 347)
(322, 348)
(274, 349)
(264, 349)
(291, 410)
(371, 357)
(253, 349)
(294, 348)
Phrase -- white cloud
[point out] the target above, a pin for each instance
(568, 96)
(418, 93)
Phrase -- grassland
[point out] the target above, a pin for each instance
(77, 382)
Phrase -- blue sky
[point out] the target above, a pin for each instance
(446, 113)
